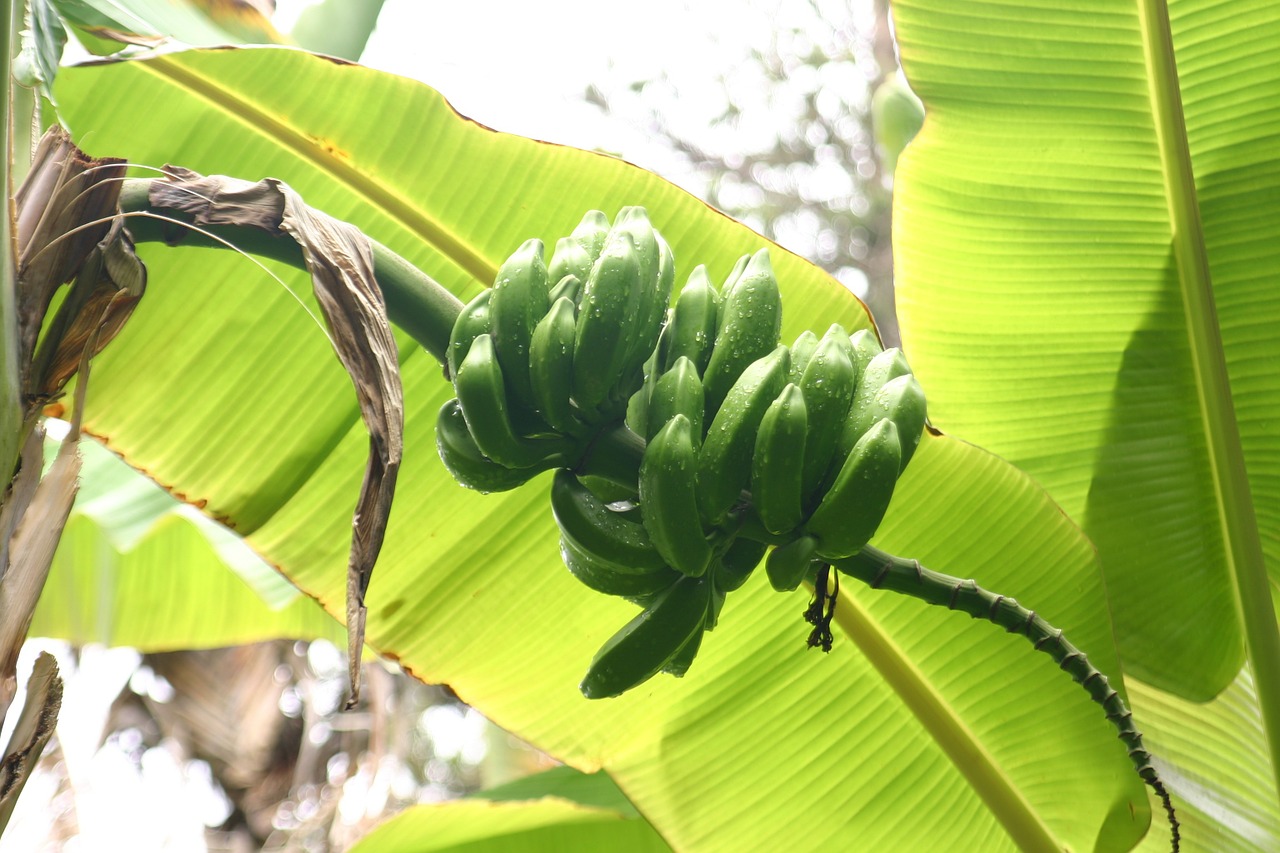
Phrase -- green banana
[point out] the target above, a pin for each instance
(551, 366)
(714, 606)
(901, 400)
(604, 577)
(570, 286)
(855, 504)
(644, 326)
(680, 664)
(520, 295)
(789, 564)
(828, 384)
(569, 258)
(637, 416)
(865, 347)
(591, 234)
(724, 462)
(610, 537)
(678, 391)
(801, 351)
(668, 498)
(737, 563)
(889, 364)
(691, 332)
(731, 279)
(482, 395)
(748, 327)
(464, 461)
(472, 322)
(777, 465)
(649, 641)
(608, 305)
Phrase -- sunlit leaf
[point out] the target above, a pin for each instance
(257, 421)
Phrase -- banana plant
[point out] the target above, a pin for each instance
(917, 708)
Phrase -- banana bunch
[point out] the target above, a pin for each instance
(544, 357)
(689, 443)
(747, 443)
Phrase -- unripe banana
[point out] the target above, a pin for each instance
(778, 462)
(737, 563)
(520, 295)
(749, 324)
(668, 498)
(609, 537)
(724, 462)
(865, 347)
(683, 659)
(856, 502)
(901, 400)
(464, 461)
(828, 384)
(789, 564)
(608, 305)
(591, 234)
(472, 322)
(571, 287)
(801, 351)
(604, 577)
(889, 364)
(551, 367)
(714, 606)
(649, 641)
(569, 258)
(691, 333)
(677, 392)
(482, 395)
(644, 326)
(731, 280)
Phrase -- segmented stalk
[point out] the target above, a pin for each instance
(881, 570)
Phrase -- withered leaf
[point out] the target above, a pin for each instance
(340, 261)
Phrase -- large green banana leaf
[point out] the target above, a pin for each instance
(536, 826)
(1080, 206)
(135, 567)
(223, 389)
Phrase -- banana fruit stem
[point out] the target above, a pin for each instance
(881, 570)
(613, 455)
(418, 304)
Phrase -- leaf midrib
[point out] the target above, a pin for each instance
(1237, 514)
(431, 230)
(988, 780)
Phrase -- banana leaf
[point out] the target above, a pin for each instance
(137, 567)
(222, 389)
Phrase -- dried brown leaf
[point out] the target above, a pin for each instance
(64, 191)
(35, 726)
(340, 261)
(31, 552)
(106, 290)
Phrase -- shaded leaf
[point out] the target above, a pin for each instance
(151, 22)
(43, 38)
(550, 825)
(1034, 211)
(339, 28)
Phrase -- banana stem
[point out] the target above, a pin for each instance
(881, 570)
(613, 455)
(416, 303)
